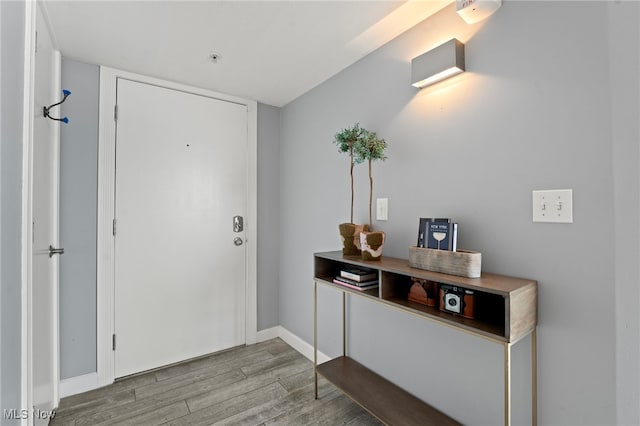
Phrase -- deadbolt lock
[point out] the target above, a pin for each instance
(238, 224)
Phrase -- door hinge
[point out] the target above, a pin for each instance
(114, 227)
(114, 342)
(115, 113)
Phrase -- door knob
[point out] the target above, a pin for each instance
(53, 251)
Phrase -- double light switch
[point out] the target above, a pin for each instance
(553, 206)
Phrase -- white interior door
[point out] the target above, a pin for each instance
(45, 162)
(181, 177)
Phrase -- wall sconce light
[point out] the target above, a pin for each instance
(437, 64)
(473, 11)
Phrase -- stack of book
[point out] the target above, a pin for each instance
(357, 278)
(438, 233)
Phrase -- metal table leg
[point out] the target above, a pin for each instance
(534, 377)
(507, 384)
(315, 336)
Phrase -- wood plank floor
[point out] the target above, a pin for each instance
(264, 384)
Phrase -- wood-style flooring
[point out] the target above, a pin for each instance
(268, 383)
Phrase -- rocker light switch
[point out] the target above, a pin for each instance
(382, 209)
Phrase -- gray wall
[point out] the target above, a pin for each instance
(624, 19)
(11, 87)
(268, 219)
(79, 144)
(532, 112)
(78, 219)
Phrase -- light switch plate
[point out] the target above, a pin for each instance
(554, 206)
(382, 209)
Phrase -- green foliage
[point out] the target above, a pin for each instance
(362, 145)
(347, 140)
(370, 147)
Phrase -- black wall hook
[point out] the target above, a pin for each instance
(45, 110)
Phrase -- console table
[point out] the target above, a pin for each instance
(506, 311)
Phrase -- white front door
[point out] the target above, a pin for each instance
(44, 291)
(181, 177)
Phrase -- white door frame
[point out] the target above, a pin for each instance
(106, 198)
(30, 112)
(26, 388)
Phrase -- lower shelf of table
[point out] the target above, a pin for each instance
(380, 397)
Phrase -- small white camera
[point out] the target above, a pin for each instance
(457, 300)
(452, 303)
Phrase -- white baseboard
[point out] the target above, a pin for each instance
(87, 382)
(78, 384)
(296, 343)
(268, 334)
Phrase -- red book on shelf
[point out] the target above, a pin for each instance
(357, 283)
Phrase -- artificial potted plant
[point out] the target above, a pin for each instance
(347, 140)
(371, 148)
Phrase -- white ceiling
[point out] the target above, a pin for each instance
(270, 51)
